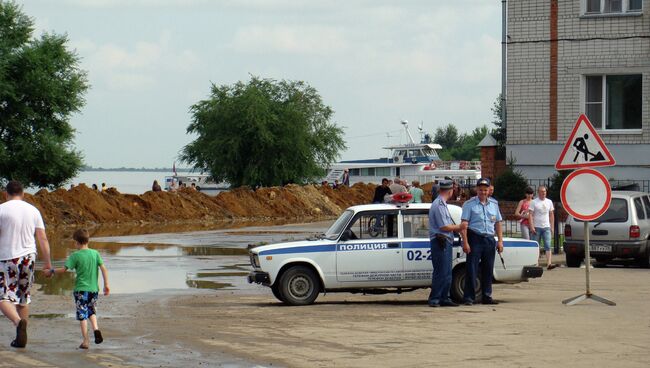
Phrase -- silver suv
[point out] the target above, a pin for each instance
(623, 231)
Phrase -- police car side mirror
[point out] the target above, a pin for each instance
(347, 234)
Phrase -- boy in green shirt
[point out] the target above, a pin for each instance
(85, 262)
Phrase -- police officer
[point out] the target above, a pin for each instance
(441, 237)
(483, 219)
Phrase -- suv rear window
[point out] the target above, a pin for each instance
(617, 212)
(639, 208)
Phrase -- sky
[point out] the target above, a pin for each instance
(374, 62)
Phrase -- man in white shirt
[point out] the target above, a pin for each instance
(20, 226)
(542, 209)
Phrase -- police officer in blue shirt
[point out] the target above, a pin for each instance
(441, 238)
(483, 219)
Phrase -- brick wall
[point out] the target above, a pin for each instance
(528, 102)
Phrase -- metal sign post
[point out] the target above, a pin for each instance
(587, 294)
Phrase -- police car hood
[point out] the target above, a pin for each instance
(294, 244)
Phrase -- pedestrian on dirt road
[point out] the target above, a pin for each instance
(21, 225)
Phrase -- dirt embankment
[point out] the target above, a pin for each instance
(84, 206)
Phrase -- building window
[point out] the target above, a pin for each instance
(612, 6)
(613, 102)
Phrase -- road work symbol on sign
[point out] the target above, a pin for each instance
(584, 148)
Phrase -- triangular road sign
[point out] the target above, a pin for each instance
(584, 148)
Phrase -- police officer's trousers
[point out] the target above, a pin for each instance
(482, 251)
(441, 278)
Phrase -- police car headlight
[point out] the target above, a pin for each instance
(255, 260)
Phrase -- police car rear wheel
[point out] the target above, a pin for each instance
(299, 285)
(458, 284)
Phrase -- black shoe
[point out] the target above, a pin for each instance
(489, 301)
(21, 335)
(98, 337)
(468, 302)
(448, 303)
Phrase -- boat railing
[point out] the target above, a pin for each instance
(453, 165)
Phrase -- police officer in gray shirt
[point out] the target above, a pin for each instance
(441, 237)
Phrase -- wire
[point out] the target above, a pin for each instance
(373, 134)
(578, 39)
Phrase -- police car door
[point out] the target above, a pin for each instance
(369, 253)
(416, 253)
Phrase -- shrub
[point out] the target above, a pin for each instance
(510, 186)
(556, 185)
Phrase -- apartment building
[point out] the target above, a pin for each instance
(567, 57)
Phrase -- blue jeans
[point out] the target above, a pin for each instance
(483, 249)
(543, 233)
(441, 278)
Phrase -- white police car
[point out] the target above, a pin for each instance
(375, 249)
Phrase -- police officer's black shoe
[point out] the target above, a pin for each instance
(434, 305)
(448, 303)
(489, 301)
(468, 302)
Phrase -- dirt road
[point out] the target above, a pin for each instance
(248, 328)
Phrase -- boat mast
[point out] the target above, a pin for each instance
(408, 133)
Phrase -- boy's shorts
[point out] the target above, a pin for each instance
(85, 302)
(16, 279)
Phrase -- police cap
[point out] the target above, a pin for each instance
(445, 184)
(483, 181)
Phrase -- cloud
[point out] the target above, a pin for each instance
(134, 67)
(299, 39)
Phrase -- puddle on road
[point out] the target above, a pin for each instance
(137, 268)
(138, 262)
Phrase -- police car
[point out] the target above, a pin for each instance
(375, 249)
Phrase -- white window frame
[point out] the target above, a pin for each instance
(583, 103)
(625, 9)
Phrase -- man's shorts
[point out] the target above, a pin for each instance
(85, 302)
(16, 279)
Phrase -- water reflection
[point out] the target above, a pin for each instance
(140, 262)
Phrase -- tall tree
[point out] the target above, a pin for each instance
(499, 133)
(41, 85)
(446, 136)
(263, 132)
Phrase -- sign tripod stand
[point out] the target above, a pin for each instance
(587, 294)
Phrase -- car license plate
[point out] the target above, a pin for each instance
(600, 248)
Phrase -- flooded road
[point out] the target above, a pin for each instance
(213, 259)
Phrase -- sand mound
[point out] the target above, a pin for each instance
(84, 206)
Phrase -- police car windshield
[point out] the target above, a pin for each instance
(338, 225)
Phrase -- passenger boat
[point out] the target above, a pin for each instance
(410, 161)
(202, 182)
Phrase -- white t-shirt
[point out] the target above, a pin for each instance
(541, 209)
(18, 222)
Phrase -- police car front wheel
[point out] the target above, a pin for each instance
(299, 285)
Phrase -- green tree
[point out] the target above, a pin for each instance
(41, 86)
(464, 147)
(499, 133)
(556, 184)
(510, 185)
(263, 132)
(446, 136)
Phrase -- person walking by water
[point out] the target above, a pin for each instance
(483, 218)
(95, 188)
(156, 187)
(543, 221)
(21, 226)
(416, 192)
(523, 213)
(85, 262)
(104, 188)
(441, 238)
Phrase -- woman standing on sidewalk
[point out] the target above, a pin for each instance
(523, 213)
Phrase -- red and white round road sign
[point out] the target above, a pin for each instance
(586, 194)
